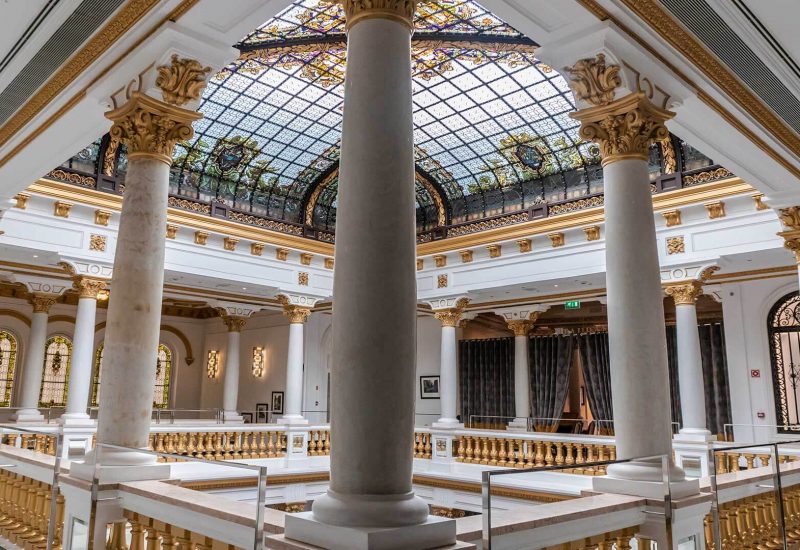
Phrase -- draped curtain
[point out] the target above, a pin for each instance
(486, 369)
(550, 359)
(715, 376)
(597, 376)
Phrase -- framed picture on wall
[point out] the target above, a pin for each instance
(277, 402)
(429, 387)
(247, 418)
(262, 413)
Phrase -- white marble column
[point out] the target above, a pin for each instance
(34, 360)
(373, 377)
(230, 382)
(80, 372)
(690, 362)
(448, 370)
(522, 374)
(624, 128)
(293, 400)
(149, 128)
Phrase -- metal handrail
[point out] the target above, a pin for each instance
(258, 542)
(46, 410)
(732, 425)
(486, 490)
(158, 412)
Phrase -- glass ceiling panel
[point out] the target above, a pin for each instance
(487, 114)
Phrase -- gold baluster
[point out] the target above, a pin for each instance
(548, 454)
(428, 446)
(246, 447)
(462, 451)
(327, 443)
(538, 459)
(484, 451)
(153, 539)
(168, 541)
(271, 447)
(559, 454)
(569, 459)
(262, 446)
(493, 451)
(468, 452)
(529, 454)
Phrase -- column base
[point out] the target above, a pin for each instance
(292, 420)
(76, 420)
(694, 435)
(448, 424)
(518, 425)
(28, 415)
(232, 417)
(303, 530)
(647, 489)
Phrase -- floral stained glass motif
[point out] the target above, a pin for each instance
(160, 386)
(8, 362)
(55, 374)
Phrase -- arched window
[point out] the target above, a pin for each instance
(8, 362)
(57, 357)
(160, 387)
(784, 338)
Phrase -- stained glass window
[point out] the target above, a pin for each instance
(160, 386)
(55, 374)
(8, 362)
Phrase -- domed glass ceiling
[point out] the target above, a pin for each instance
(490, 120)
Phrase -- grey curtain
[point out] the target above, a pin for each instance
(486, 369)
(597, 375)
(550, 359)
(715, 375)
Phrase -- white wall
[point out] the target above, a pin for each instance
(745, 307)
(429, 341)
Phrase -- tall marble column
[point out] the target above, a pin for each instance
(624, 128)
(80, 372)
(230, 383)
(293, 400)
(448, 365)
(34, 359)
(522, 375)
(690, 362)
(149, 128)
(373, 375)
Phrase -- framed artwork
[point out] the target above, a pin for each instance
(429, 387)
(277, 402)
(247, 418)
(262, 413)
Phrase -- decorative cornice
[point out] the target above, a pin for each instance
(684, 293)
(296, 314)
(151, 128)
(42, 302)
(593, 81)
(401, 11)
(624, 128)
(182, 81)
(88, 287)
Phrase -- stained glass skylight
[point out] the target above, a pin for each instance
(273, 117)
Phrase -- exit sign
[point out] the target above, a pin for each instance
(572, 304)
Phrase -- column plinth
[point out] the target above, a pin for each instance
(230, 383)
(80, 372)
(293, 400)
(624, 128)
(34, 360)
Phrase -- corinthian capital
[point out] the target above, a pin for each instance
(686, 293)
(450, 316)
(88, 287)
(43, 302)
(520, 327)
(151, 128)
(297, 314)
(401, 11)
(790, 217)
(624, 128)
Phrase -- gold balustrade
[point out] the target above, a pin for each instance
(616, 540)
(319, 443)
(736, 461)
(152, 534)
(25, 511)
(526, 453)
(222, 445)
(40, 443)
(423, 447)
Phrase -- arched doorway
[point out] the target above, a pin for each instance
(783, 325)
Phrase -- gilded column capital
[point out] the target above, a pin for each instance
(520, 327)
(791, 241)
(43, 302)
(449, 317)
(790, 217)
(624, 128)
(296, 314)
(684, 293)
(401, 11)
(151, 128)
(593, 81)
(234, 322)
(88, 287)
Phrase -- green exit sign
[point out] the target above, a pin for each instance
(572, 304)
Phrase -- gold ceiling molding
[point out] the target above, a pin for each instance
(187, 345)
(673, 33)
(100, 43)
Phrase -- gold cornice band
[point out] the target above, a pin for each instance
(401, 11)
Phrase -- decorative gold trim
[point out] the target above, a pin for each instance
(440, 260)
(495, 250)
(172, 231)
(71, 177)
(449, 317)
(296, 314)
(668, 152)
(101, 217)
(672, 217)
(758, 198)
(592, 233)
(520, 327)
(715, 209)
(706, 176)
(97, 243)
(187, 345)
(675, 245)
(302, 278)
(420, 264)
(466, 256)
(593, 81)
(256, 249)
(684, 293)
(525, 245)
(281, 254)
(556, 239)
(200, 237)
(233, 322)
(229, 243)
(328, 263)
(16, 315)
(22, 200)
(182, 81)
(305, 258)
(88, 287)
(42, 302)
(441, 281)
(61, 209)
